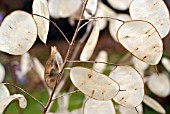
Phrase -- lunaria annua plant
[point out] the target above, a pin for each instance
(140, 33)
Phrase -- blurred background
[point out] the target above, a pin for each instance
(32, 83)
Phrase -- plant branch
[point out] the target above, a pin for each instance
(66, 58)
(156, 69)
(55, 25)
(26, 93)
(84, 24)
(94, 18)
(77, 61)
(76, 91)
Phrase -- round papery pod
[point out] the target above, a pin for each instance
(102, 57)
(18, 33)
(7, 100)
(3, 92)
(131, 86)
(94, 84)
(98, 107)
(63, 8)
(125, 110)
(91, 8)
(139, 65)
(119, 4)
(40, 7)
(115, 24)
(2, 73)
(53, 6)
(153, 104)
(91, 43)
(142, 40)
(166, 63)
(104, 11)
(25, 65)
(153, 11)
(159, 84)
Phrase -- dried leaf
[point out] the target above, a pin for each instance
(153, 11)
(142, 40)
(119, 4)
(7, 100)
(166, 63)
(98, 107)
(153, 104)
(102, 57)
(93, 84)
(131, 86)
(159, 85)
(58, 58)
(115, 24)
(63, 8)
(91, 8)
(40, 7)
(52, 67)
(2, 73)
(18, 33)
(91, 43)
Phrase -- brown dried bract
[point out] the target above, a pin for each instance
(51, 69)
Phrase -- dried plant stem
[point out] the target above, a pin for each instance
(55, 25)
(26, 93)
(66, 94)
(85, 24)
(66, 58)
(73, 56)
(77, 61)
(94, 18)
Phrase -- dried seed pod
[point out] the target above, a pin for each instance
(131, 82)
(153, 11)
(141, 39)
(6, 99)
(93, 84)
(51, 68)
(40, 7)
(152, 103)
(93, 106)
(18, 33)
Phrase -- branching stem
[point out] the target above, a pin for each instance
(85, 24)
(76, 91)
(66, 58)
(94, 18)
(77, 61)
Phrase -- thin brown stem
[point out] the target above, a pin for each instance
(92, 62)
(26, 93)
(156, 69)
(94, 18)
(66, 58)
(84, 24)
(55, 25)
(76, 91)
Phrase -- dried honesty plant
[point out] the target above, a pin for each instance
(108, 88)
